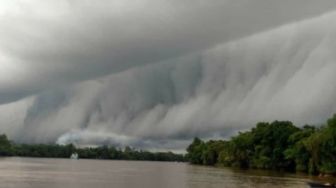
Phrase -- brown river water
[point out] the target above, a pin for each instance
(66, 173)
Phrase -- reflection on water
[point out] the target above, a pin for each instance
(62, 173)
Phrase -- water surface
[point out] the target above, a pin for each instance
(64, 173)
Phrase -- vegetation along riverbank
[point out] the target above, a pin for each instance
(8, 148)
(279, 145)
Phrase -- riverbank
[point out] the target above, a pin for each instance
(8, 148)
(279, 146)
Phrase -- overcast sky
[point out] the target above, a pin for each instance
(155, 73)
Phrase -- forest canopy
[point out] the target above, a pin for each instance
(279, 145)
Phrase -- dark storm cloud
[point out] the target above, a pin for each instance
(282, 74)
(154, 74)
(49, 43)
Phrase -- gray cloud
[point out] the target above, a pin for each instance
(156, 76)
(46, 44)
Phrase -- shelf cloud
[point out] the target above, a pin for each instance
(154, 74)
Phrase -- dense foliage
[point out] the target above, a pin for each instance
(8, 148)
(278, 145)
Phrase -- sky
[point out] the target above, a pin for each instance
(153, 74)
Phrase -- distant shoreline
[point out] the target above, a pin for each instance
(121, 160)
(8, 148)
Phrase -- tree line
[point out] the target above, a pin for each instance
(279, 145)
(8, 148)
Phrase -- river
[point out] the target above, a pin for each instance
(66, 173)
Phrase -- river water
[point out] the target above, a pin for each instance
(66, 173)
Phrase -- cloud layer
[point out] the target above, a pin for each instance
(46, 44)
(154, 74)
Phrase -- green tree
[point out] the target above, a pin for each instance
(195, 151)
(5, 146)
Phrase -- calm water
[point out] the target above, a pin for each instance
(63, 173)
